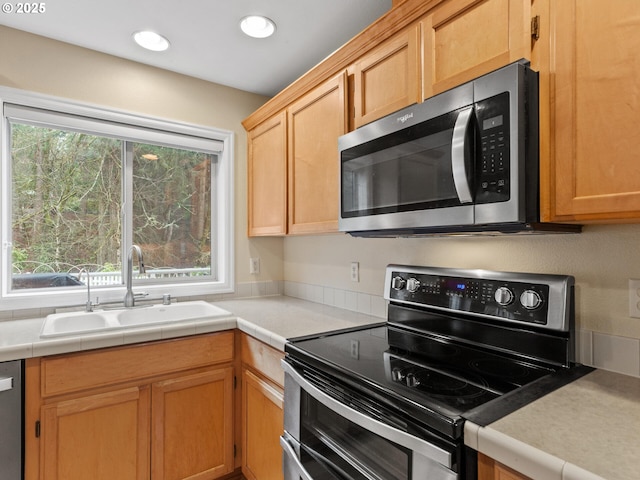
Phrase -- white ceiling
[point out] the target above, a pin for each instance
(206, 41)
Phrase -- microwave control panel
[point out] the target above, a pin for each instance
(493, 141)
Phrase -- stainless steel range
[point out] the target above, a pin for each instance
(389, 401)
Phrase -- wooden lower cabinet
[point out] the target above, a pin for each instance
(192, 425)
(162, 410)
(262, 410)
(262, 414)
(489, 469)
(102, 437)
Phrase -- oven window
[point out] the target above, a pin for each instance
(340, 449)
(404, 171)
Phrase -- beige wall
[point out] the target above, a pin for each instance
(32, 63)
(602, 259)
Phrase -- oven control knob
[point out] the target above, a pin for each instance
(413, 284)
(503, 296)
(530, 299)
(411, 380)
(397, 375)
(397, 283)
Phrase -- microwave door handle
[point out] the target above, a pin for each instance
(458, 163)
(291, 453)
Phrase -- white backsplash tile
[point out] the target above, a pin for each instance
(364, 303)
(618, 354)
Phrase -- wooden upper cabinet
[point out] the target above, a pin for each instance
(267, 177)
(387, 78)
(315, 122)
(593, 66)
(463, 39)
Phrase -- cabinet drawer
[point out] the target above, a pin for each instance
(79, 371)
(262, 358)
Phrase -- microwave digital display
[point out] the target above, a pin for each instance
(492, 122)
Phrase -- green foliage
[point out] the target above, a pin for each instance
(67, 201)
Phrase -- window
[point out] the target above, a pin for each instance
(81, 185)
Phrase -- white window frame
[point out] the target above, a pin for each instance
(126, 126)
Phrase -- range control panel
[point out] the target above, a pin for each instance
(529, 298)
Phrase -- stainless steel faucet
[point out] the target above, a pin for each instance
(89, 305)
(129, 297)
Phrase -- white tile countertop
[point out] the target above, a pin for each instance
(586, 430)
(269, 319)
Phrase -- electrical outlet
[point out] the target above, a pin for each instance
(634, 298)
(254, 266)
(355, 272)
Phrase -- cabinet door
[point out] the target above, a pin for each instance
(467, 38)
(388, 78)
(267, 177)
(489, 469)
(192, 426)
(594, 71)
(102, 437)
(315, 122)
(262, 414)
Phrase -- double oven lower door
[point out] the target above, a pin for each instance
(335, 431)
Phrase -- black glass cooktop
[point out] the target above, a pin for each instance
(450, 379)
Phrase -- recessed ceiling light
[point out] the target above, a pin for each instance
(257, 26)
(151, 40)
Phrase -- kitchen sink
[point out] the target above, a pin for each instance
(169, 313)
(75, 323)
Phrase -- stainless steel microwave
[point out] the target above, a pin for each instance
(465, 160)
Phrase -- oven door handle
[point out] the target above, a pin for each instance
(392, 434)
(288, 450)
(458, 160)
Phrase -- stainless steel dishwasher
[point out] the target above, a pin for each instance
(11, 420)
